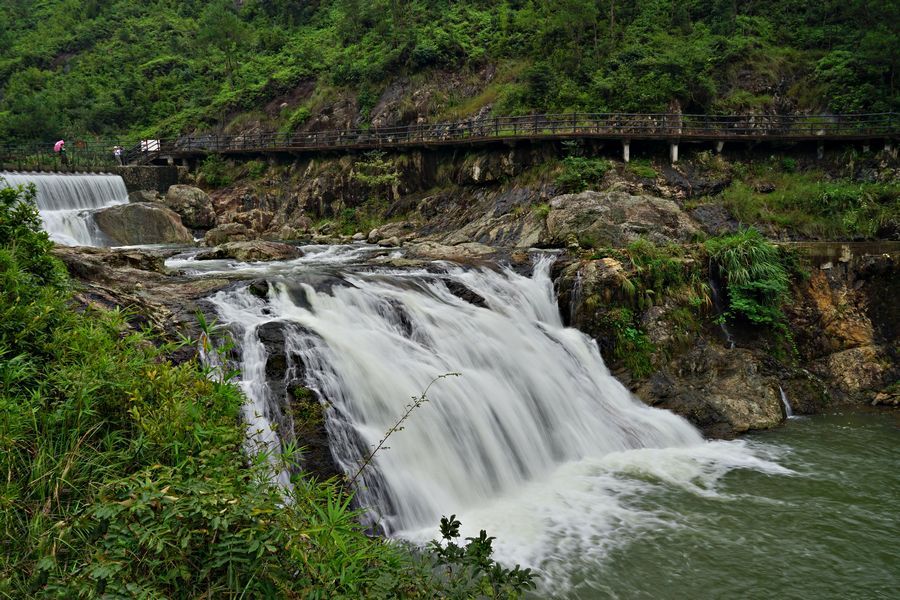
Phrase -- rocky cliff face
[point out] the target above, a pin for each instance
(841, 319)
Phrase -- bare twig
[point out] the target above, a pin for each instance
(416, 403)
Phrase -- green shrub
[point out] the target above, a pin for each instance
(665, 272)
(643, 168)
(296, 118)
(541, 210)
(255, 168)
(757, 281)
(216, 171)
(788, 165)
(580, 173)
(630, 343)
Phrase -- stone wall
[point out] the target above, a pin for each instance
(150, 177)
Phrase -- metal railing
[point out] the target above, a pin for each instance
(625, 126)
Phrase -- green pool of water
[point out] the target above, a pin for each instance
(830, 530)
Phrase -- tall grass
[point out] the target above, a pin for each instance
(755, 272)
(811, 205)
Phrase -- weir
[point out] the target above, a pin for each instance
(66, 203)
(526, 442)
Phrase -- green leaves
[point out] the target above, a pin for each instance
(580, 173)
(758, 283)
(470, 571)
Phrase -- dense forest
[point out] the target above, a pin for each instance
(109, 67)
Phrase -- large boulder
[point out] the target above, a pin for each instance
(614, 219)
(142, 223)
(256, 250)
(229, 232)
(194, 206)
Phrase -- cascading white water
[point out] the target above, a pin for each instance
(535, 441)
(788, 411)
(66, 202)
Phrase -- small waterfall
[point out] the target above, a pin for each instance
(66, 202)
(577, 293)
(535, 441)
(788, 412)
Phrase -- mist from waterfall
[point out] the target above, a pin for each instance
(66, 203)
(535, 441)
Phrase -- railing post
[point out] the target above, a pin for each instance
(574, 122)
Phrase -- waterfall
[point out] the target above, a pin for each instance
(66, 202)
(535, 441)
(788, 412)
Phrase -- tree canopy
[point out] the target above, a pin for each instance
(169, 66)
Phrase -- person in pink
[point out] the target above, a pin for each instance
(60, 148)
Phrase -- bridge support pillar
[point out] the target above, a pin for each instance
(170, 161)
(673, 152)
(866, 148)
(719, 147)
(626, 150)
(889, 149)
(820, 151)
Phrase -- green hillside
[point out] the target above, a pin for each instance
(169, 66)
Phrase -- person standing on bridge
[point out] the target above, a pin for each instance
(120, 158)
(60, 148)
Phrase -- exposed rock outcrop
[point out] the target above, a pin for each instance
(193, 205)
(257, 250)
(137, 281)
(142, 223)
(723, 392)
(305, 418)
(614, 219)
(229, 232)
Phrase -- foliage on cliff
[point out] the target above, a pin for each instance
(124, 475)
(166, 66)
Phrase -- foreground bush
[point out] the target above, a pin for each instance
(124, 475)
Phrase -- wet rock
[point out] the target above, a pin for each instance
(251, 251)
(358, 237)
(298, 410)
(462, 253)
(136, 281)
(142, 223)
(463, 293)
(723, 392)
(229, 232)
(193, 204)
(615, 219)
(391, 242)
(259, 288)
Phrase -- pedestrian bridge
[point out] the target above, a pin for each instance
(622, 127)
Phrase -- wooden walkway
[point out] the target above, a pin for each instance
(672, 128)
